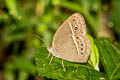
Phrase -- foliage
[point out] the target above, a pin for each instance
(21, 19)
(22, 65)
(109, 56)
(73, 70)
(115, 17)
(94, 54)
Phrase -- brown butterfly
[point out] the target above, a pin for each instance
(70, 41)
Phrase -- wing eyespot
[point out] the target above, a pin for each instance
(77, 37)
(81, 48)
(81, 44)
(81, 53)
(73, 20)
(75, 28)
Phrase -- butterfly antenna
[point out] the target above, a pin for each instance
(38, 37)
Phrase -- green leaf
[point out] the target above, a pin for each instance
(110, 57)
(24, 66)
(94, 54)
(74, 71)
(3, 17)
(13, 9)
(23, 75)
(115, 17)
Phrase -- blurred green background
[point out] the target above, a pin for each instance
(21, 21)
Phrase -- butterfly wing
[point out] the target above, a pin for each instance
(83, 44)
(65, 45)
(77, 24)
(68, 51)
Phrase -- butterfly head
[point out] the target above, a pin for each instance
(50, 49)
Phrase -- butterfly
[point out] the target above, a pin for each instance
(70, 41)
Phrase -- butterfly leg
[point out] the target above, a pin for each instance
(48, 55)
(51, 60)
(63, 65)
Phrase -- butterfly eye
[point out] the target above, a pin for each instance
(75, 28)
